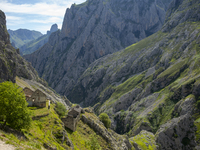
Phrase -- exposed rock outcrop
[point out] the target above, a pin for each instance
(179, 133)
(116, 141)
(91, 30)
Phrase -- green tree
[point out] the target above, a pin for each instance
(13, 106)
(105, 119)
(60, 109)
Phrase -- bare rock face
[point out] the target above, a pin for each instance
(54, 28)
(179, 133)
(7, 53)
(91, 30)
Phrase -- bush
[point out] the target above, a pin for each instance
(60, 109)
(105, 119)
(13, 106)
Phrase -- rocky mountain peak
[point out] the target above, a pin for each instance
(54, 28)
(92, 30)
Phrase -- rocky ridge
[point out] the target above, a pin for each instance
(91, 30)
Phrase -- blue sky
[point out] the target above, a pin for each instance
(36, 15)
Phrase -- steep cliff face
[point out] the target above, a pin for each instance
(91, 30)
(7, 65)
(11, 63)
(152, 85)
(22, 36)
(34, 45)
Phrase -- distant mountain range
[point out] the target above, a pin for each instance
(22, 36)
(34, 45)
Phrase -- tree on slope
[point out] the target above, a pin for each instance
(13, 106)
(105, 119)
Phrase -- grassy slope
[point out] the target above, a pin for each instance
(49, 130)
(41, 131)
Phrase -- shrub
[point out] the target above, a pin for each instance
(60, 109)
(105, 119)
(13, 106)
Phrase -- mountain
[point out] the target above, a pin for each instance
(47, 131)
(152, 85)
(11, 63)
(22, 36)
(92, 30)
(33, 45)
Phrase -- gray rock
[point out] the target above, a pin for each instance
(117, 141)
(178, 133)
(90, 31)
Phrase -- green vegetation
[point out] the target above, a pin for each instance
(47, 130)
(105, 119)
(94, 145)
(144, 140)
(60, 109)
(174, 69)
(13, 106)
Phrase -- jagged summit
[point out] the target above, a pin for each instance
(54, 28)
(92, 30)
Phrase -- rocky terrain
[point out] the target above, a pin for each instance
(34, 45)
(92, 30)
(150, 89)
(22, 36)
(152, 85)
(47, 131)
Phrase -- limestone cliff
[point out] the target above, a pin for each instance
(91, 30)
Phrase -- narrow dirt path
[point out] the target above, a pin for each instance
(4, 146)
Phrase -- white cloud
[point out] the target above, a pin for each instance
(35, 16)
(48, 20)
(38, 8)
(13, 18)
